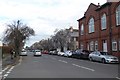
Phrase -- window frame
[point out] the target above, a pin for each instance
(103, 22)
(92, 46)
(81, 45)
(118, 15)
(96, 45)
(114, 45)
(82, 30)
(91, 25)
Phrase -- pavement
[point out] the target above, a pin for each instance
(7, 63)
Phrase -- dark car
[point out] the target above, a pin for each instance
(84, 54)
(76, 53)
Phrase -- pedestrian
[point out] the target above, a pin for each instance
(11, 52)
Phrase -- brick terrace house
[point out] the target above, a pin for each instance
(99, 28)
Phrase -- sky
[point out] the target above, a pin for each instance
(44, 16)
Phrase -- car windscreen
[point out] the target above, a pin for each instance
(104, 53)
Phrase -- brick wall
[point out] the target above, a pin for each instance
(111, 32)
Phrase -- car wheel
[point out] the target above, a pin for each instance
(103, 60)
(90, 59)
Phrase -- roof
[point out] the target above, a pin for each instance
(87, 10)
(91, 5)
(81, 18)
(103, 6)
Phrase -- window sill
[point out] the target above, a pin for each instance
(114, 51)
(91, 32)
(118, 25)
(103, 29)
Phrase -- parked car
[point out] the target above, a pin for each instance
(102, 57)
(84, 54)
(37, 53)
(54, 52)
(23, 53)
(45, 52)
(60, 53)
(67, 53)
(81, 54)
(76, 53)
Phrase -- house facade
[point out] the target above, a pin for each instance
(99, 28)
(72, 37)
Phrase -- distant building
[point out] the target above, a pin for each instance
(72, 38)
(99, 28)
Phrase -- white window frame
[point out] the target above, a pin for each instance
(81, 46)
(88, 46)
(114, 45)
(105, 47)
(96, 45)
(118, 15)
(103, 21)
(91, 25)
(82, 29)
(92, 46)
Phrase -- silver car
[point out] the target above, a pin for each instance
(102, 57)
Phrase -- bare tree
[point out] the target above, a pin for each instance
(16, 35)
(61, 39)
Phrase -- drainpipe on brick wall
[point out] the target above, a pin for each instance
(110, 29)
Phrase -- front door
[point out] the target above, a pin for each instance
(104, 45)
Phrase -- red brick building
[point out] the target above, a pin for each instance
(99, 28)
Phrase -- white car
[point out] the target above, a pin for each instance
(37, 53)
(68, 54)
(60, 53)
(103, 57)
(23, 53)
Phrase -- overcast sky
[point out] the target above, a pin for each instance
(44, 16)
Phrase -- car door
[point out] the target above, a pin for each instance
(96, 56)
(93, 55)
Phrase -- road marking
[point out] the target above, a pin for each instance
(5, 69)
(11, 69)
(8, 72)
(118, 78)
(83, 67)
(63, 61)
(5, 75)
(54, 58)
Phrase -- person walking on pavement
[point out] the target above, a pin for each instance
(12, 53)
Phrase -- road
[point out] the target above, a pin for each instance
(50, 66)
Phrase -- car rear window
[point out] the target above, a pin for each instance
(37, 51)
